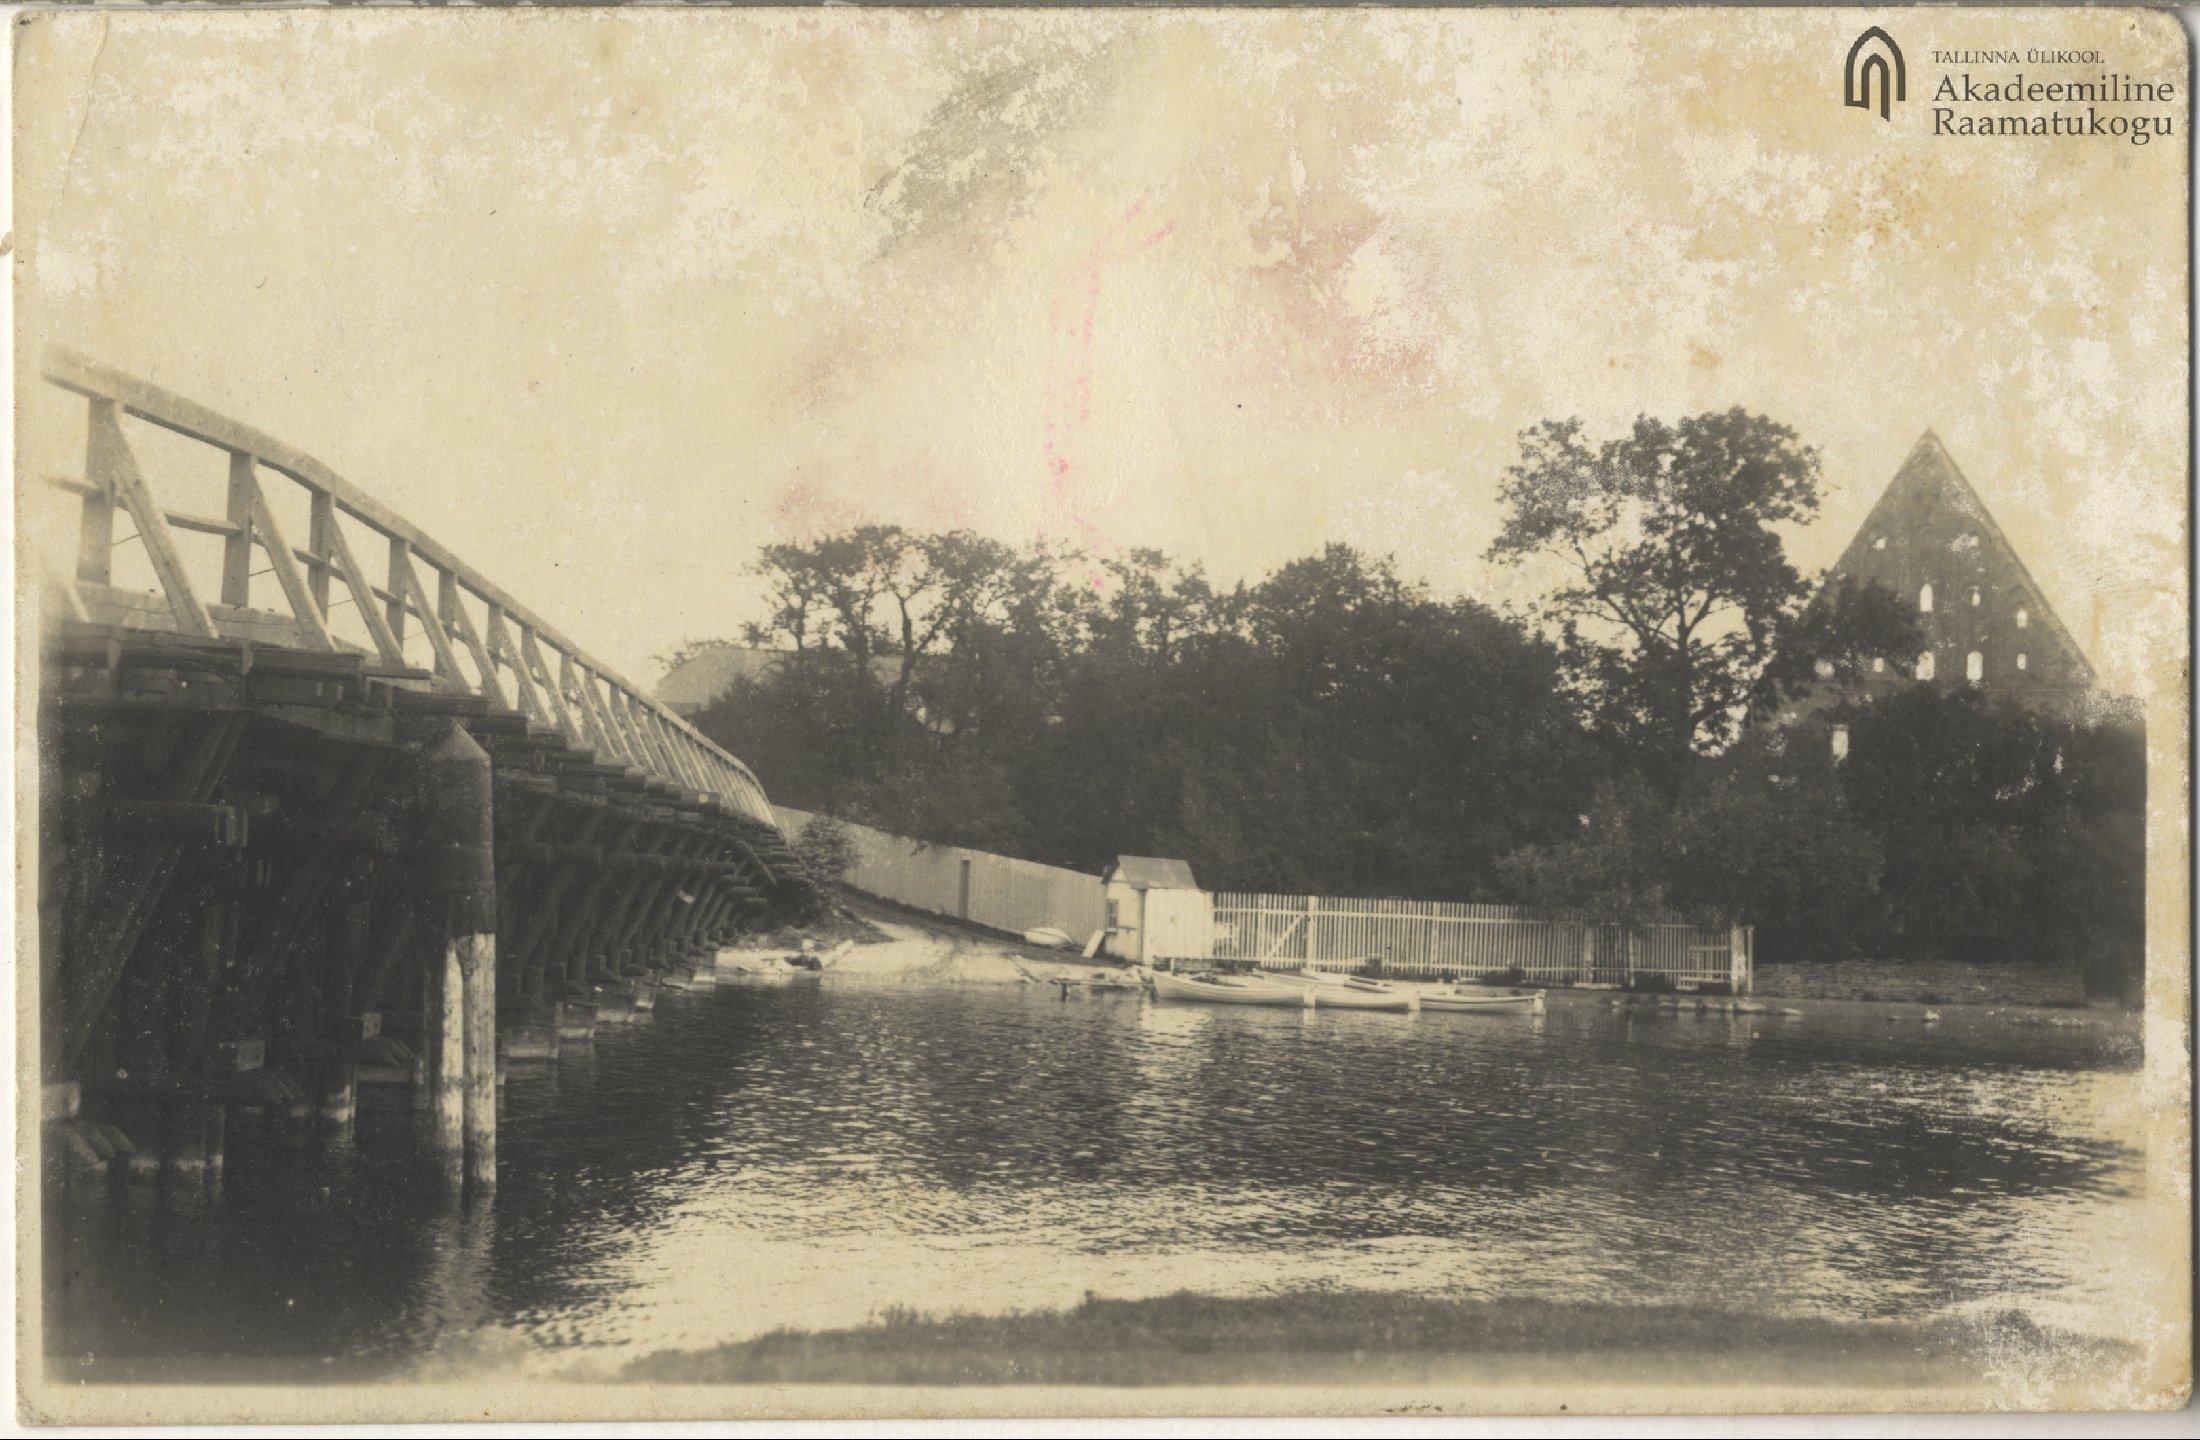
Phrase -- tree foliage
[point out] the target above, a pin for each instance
(1332, 727)
(1676, 590)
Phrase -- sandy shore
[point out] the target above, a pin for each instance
(895, 948)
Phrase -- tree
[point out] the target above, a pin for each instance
(1764, 837)
(1333, 728)
(1757, 837)
(1838, 634)
(1612, 871)
(1677, 590)
(2008, 833)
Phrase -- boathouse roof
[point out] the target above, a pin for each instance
(1146, 872)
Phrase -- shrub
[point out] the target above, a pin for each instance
(827, 849)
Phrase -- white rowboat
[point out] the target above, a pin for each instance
(1353, 992)
(1225, 990)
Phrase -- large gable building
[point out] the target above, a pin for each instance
(1983, 618)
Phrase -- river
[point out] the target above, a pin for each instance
(822, 1154)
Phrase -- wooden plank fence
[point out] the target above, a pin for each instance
(991, 890)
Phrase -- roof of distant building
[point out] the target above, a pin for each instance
(1147, 872)
(707, 674)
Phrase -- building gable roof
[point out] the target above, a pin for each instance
(1147, 872)
(1929, 474)
(707, 674)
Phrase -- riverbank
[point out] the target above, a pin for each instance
(899, 946)
(887, 944)
(1333, 1338)
(1923, 982)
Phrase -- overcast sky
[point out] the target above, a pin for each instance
(606, 300)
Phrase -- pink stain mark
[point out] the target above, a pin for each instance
(1069, 380)
(806, 510)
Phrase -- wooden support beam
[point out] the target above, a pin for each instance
(531, 653)
(394, 596)
(572, 682)
(451, 606)
(395, 910)
(119, 890)
(321, 559)
(362, 593)
(237, 548)
(114, 466)
(531, 703)
(95, 534)
(259, 520)
(406, 581)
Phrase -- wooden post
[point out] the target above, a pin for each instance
(1588, 954)
(321, 520)
(457, 790)
(237, 548)
(447, 1070)
(1738, 959)
(477, 959)
(96, 530)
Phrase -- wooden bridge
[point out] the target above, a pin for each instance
(303, 824)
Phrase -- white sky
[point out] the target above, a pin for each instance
(605, 300)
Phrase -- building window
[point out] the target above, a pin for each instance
(1840, 742)
(2024, 618)
(1879, 664)
(1974, 667)
(1925, 599)
(2021, 661)
(1925, 666)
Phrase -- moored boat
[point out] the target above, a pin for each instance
(1225, 990)
(1352, 997)
(1467, 1000)
(1334, 991)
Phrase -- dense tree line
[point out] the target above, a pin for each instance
(1336, 728)
(1331, 728)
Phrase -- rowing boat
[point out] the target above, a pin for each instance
(1461, 1000)
(1225, 990)
(1332, 991)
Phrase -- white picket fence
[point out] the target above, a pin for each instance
(1424, 939)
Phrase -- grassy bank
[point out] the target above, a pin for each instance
(1335, 1337)
(1922, 982)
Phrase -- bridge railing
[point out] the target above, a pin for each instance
(479, 640)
